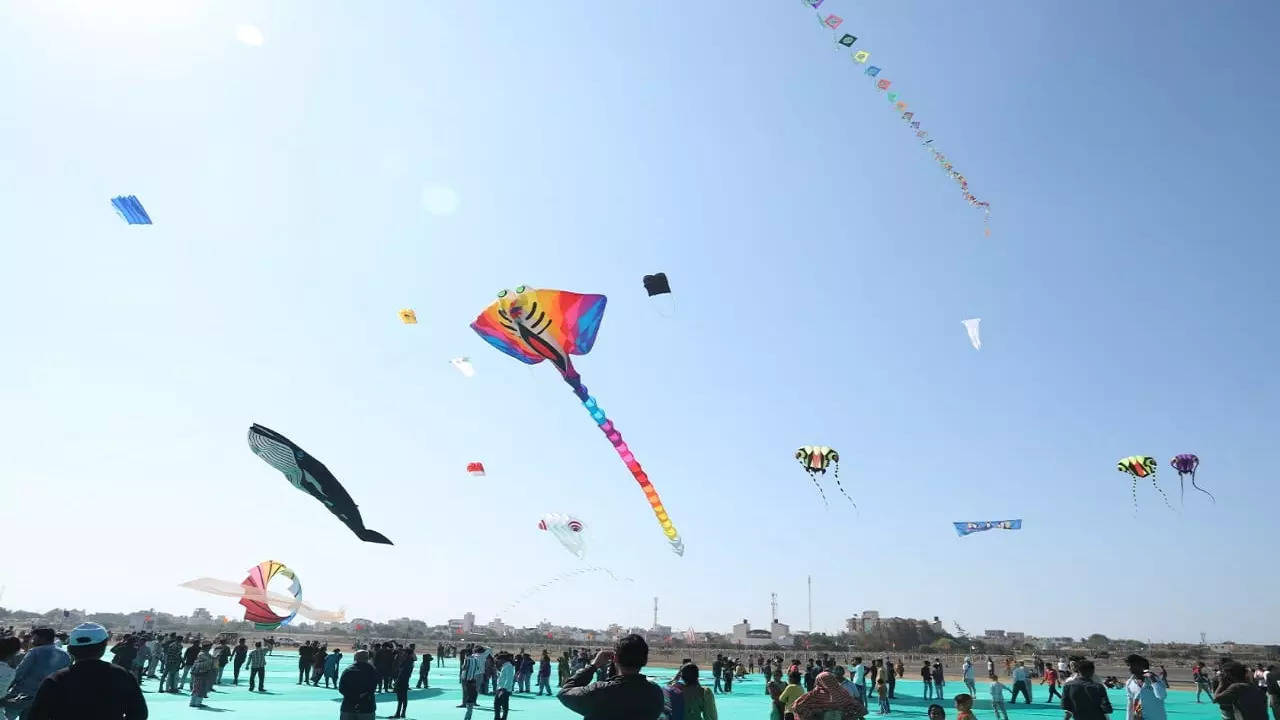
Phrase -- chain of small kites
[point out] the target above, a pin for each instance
(832, 22)
(559, 578)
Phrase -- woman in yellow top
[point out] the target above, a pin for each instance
(791, 693)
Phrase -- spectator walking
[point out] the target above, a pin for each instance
(257, 660)
(359, 686)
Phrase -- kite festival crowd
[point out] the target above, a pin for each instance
(45, 675)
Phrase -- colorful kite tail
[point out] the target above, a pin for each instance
(814, 477)
(615, 437)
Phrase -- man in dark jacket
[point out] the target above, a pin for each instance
(1083, 697)
(358, 686)
(90, 689)
(304, 661)
(628, 695)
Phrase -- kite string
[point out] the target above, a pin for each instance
(1206, 492)
(620, 446)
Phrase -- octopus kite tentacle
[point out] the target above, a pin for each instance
(1206, 492)
(841, 487)
(628, 459)
(814, 477)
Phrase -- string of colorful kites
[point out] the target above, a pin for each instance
(861, 57)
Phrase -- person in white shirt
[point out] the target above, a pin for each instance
(1062, 666)
(1146, 690)
(860, 679)
(967, 670)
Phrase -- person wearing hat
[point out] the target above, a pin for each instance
(42, 660)
(1146, 690)
(90, 689)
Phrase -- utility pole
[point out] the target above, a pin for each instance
(810, 604)
(773, 605)
(1201, 638)
(655, 612)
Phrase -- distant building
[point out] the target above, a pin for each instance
(1016, 636)
(936, 626)
(744, 635)
(993, 634)
(661, 632)
(201, 616)
(465, 625)
(499, 627)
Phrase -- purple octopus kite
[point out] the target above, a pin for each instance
(1186, 464)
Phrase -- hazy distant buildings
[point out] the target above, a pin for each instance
(465, 625)
(778, 633)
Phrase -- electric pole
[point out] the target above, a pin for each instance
(810, 604)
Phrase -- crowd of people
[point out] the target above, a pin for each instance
(45, 675)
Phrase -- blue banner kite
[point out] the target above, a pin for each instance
(131, 210)
(966, 528)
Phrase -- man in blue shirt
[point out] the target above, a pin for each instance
(43, 660)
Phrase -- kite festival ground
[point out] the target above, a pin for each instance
(286, 700)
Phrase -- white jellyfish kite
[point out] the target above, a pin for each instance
(567, 529)
(971, 326)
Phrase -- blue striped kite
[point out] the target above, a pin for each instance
(128, 207)
(966, 528)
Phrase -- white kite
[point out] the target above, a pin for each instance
(463, 365)
(971, 326)
(567, 529)
(226, 588)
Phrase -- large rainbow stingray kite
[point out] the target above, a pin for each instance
(533, 325)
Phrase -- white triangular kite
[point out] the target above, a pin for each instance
(463, 364)
(971, 326)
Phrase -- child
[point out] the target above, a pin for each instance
(882, 690)
(964, 707)
(997, 698)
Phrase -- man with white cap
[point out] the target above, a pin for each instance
(90, 689)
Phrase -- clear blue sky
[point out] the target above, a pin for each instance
(821, 264)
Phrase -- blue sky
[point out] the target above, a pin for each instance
(821, 265)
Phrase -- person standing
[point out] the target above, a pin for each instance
(304, 661)
(792, 692)
(544, 673)
(404, 673)
(42, 660)
(1145, 689)
(203, 671)
(1273, 689)
(628, 694)
(257, 660)
(1083, 698)
(687, 699)
(938, 680)
(506, 683)
(991, 666)
(1021, 684)
(358, 687)
(968, 677)
(90, 689)
(424, 672)
(472, 673)
(1239, 697)
(331, 663)
(828, 695)
(891, 676)
(562, 668)
(221, 655)
(926, 678)
(717, 667)
(727, 685)
(882, 692)
(238, 655)
(172, 664)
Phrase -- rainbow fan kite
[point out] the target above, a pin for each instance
(534, 325)
(260, 613)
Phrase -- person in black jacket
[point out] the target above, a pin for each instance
(90, 689)
(359, 686)
(237, 659)
(1083, 698)
(304, 661)
(628, 695)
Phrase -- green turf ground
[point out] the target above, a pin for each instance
(286, 700)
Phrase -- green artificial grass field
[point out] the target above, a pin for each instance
(286, 700)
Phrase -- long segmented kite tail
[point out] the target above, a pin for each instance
(814, 477)
(1133, 488)
(628, 459)
(1159, 490)
(841, 487)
